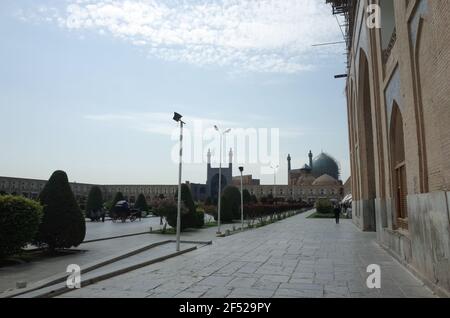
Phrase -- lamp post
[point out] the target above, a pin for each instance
(241, 169)
(177, 117)
(221, 133)
(274, 180)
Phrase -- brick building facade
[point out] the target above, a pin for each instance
(398, 97)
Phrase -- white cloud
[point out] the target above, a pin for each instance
(250, 35)
(160, 123)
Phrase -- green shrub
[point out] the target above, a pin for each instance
(19, 222)
(169, 209)
(231, 203)
(200, 216)
(247, 197)
(118, 197)
(324, 206)
(94, 201)
(63, 224)
(141, 203)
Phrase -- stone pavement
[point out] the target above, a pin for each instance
(46, 267)
(99, 230)
(297, 257)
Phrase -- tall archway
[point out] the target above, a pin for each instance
(398, 163)
(366, 146)
(215, 185)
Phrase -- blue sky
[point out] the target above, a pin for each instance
(89, 86)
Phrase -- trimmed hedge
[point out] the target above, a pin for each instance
(141, 203)
(324, 206)
(94, 202)
(231, 203)
(63, 224)
(19, 222)
(253, 211)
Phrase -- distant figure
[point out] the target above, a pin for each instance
(337, 213)
(103, 215)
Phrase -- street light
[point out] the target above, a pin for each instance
(220, 175)
(275, 173)
(275, 181)
(241, 169)
(177, 117)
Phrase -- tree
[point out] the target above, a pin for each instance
(246, 196)
(94, 201)
(63, 224)
(169, 210)
(254, 199)
(188, 218)
(118, 197)
(141, 203)
(19, 222)
(231, 202)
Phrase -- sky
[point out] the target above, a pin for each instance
(90, 87)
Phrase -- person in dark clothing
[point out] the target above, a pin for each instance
(337, 213)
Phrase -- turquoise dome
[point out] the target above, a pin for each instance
(325, 164)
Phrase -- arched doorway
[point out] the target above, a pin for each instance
(399, 169)
(215, 185)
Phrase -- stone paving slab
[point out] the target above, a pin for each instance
(43, 268)
(297, 257)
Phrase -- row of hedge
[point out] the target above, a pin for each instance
(231, 207)
(55, 221)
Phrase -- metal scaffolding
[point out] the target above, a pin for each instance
(345, 8)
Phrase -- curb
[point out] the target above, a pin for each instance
(115, 237)
(64, 289)
(61, 277)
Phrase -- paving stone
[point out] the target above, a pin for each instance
(216, 280)
(293, 258)
(251, 293)
(275, 278)
(242, 282)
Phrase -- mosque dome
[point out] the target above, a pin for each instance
(325, 164)
(325, 180)
(306, 180)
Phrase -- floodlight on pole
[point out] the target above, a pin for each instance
(177, 117)
(241, 169)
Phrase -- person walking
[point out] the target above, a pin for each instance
(337, 213)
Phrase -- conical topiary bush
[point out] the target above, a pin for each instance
(94, 202)
(63, 224)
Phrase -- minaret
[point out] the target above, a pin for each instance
(231, 158)
(209, 157)
(310, 159)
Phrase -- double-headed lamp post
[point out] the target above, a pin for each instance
(241, 169)
(221, 133)
(275, 179)
(177, 117)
